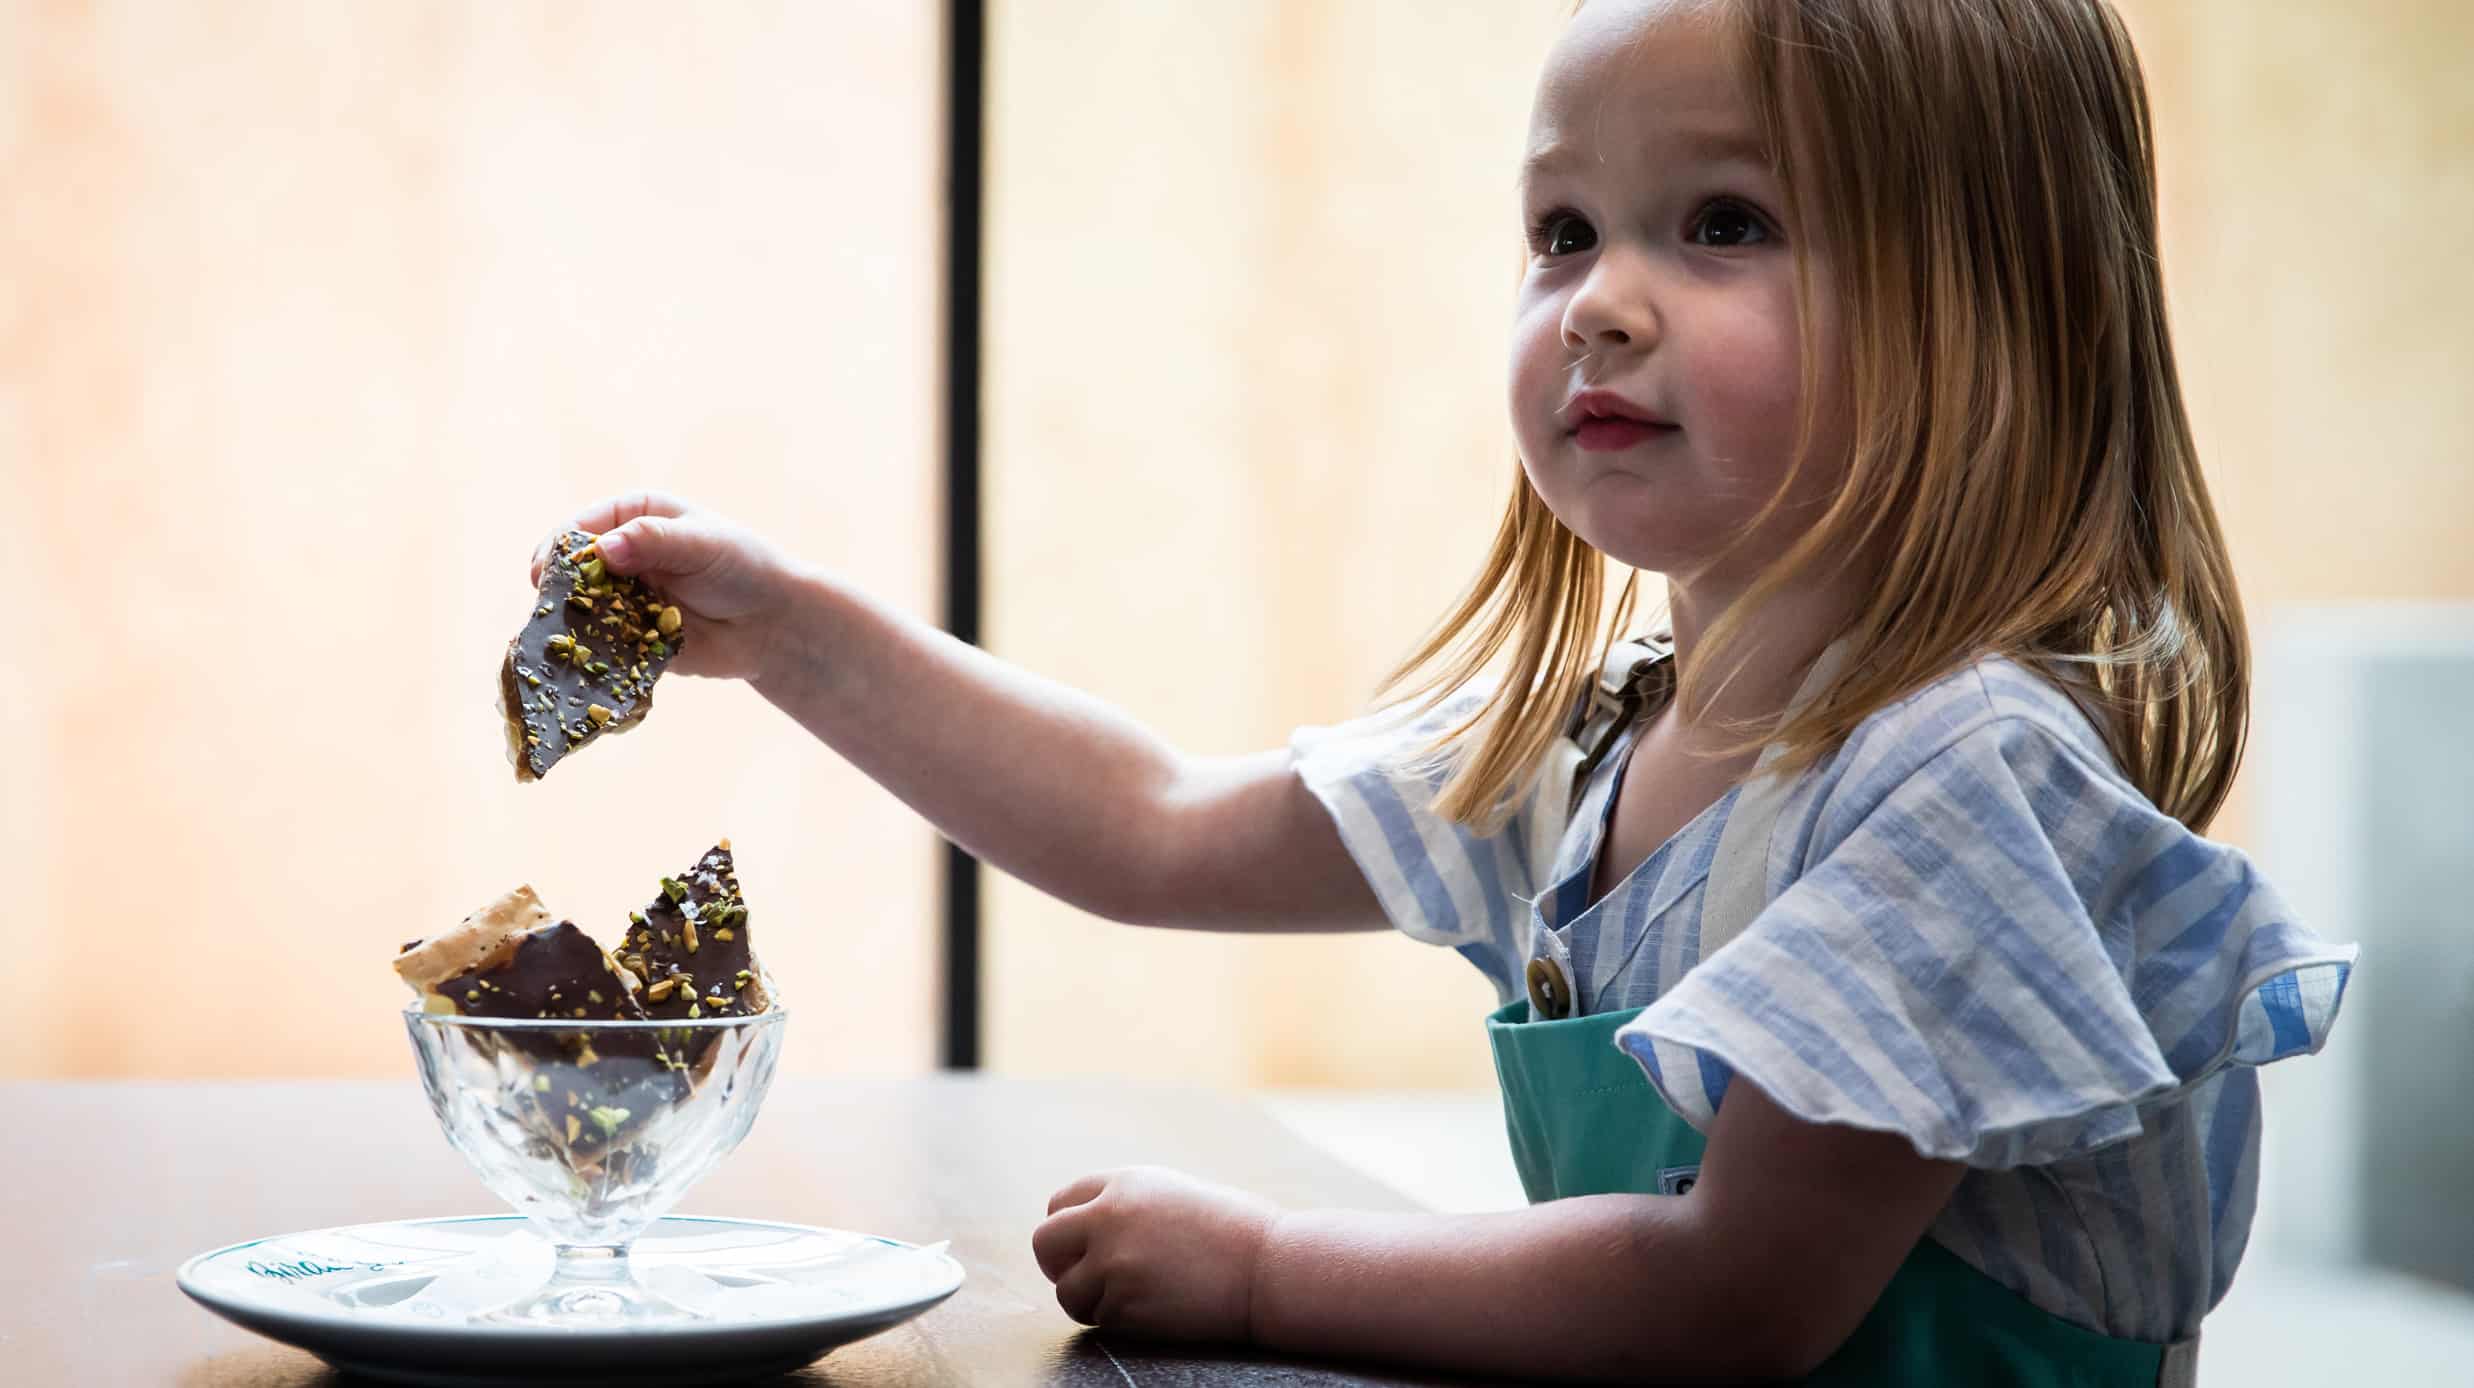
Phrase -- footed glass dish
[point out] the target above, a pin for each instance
(592, 1131)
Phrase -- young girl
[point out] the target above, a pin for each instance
(1915, 1048)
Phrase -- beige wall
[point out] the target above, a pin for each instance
(312, 319)
(2317, 166)
(2318, 171)
(1250, 271)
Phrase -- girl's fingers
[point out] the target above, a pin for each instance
(606, 515)
(613, 512)
(662, 545)
(1080, 1192)
(1079, 1291)
(1058, 1244)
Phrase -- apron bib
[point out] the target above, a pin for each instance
(1583, 1120)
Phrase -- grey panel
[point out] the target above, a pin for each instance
(2417, 1135)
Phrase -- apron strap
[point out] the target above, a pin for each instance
(2180, 1368)
(1637, 674)
(1739, 872)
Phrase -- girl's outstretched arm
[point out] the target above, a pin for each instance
(1762, 1271)
(1041, 781)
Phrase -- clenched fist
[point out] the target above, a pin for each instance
(1155, 1252)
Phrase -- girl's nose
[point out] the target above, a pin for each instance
(1611, 309)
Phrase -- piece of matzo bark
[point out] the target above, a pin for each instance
(585, 663)
(690, 945)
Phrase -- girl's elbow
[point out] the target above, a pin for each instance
(1751, 1330)
(1713, 1358)
(1778, 1351)
(1788, 1338)
(1796, 1353)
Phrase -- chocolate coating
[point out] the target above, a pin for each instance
(557, 971)
(608, 1084)
(694, 948)
(585, 663)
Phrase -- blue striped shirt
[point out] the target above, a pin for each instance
(1977, 934)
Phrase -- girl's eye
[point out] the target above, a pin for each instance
(1723, 224)
(1560, 233)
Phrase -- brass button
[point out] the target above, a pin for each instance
(1550, 994)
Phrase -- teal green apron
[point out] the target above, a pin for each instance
(1584, 1121)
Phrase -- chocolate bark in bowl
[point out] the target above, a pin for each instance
(589, 1131)
(540, 1049)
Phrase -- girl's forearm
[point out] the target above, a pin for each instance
(1032, 777)
(1601, 1287)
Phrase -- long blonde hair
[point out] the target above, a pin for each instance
(1979, 175)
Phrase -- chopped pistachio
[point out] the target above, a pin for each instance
(724, 934)
(668, 622)
(660, 990)
(693, 1010)
(687, 928)
(573, 1127)
(599, 715)
(594, 570)
(542, 1083)
(595, 993)
(636, 916)
(608, 1119)
(674, 889)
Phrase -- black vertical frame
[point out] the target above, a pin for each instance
(966, 66)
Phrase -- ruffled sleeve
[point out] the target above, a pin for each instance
(1999, 949)
(1437, 881)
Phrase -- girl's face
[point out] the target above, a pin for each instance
(1660, 286)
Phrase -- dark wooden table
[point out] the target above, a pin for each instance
(106, 1188)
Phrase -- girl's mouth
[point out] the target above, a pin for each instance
(1605, 422)
(1613, 434)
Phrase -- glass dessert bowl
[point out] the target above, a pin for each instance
(592, 1130)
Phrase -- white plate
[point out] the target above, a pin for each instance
(411, 1301)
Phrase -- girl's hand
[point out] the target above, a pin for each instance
(1155, 1252)
(732, 584)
